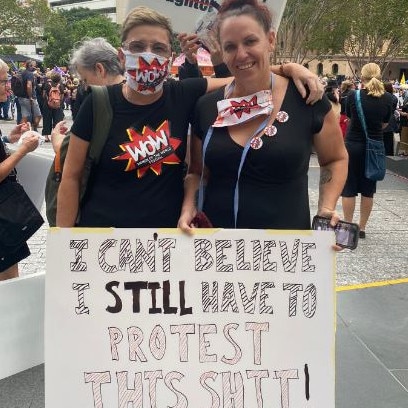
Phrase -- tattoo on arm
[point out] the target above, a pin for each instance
(325, 176)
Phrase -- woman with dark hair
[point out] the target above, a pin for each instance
(139, 178)
(52, 112)
(392, 127)
(346, 88)
(255, 137)
(377, 109)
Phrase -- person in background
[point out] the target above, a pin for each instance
(377, 108)
(256, 136)
(96, 63)
(346, 88)
(403, 111)
(5, 106)
(52, 114)
(30, 109)
(393, 126)
(145, 108)
(332, 93)
(9, 262)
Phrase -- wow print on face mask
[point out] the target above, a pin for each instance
(146, 72)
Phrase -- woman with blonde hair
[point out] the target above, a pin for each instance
(377, 109)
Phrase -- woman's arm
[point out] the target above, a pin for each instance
(29, 144)
(68, 192)
(304, 80)
(191, 185)
(333, 160)
(301, 76)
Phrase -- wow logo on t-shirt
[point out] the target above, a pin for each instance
(149, 149)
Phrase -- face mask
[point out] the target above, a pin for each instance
(146, 72)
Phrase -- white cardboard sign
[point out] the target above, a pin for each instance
(147, 318)
(184, 14)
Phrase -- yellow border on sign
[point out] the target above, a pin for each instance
(371, 285)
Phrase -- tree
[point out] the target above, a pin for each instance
(66, 28)
(57, 33)
(301, 22)
(360, 31)
(23, 19)
(78, 13)
(377, 32)
(98, 26)
(7, 49)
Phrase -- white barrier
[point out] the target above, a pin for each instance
(21, 323)
(32, 173)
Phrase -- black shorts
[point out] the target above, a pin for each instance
(11, 259)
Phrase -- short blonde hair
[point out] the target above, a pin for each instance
(145, 16)
(371, 76)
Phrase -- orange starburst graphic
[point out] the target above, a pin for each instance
(149, 149)
(149, 75)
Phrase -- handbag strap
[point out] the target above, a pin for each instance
(241, 164)
(361, 113)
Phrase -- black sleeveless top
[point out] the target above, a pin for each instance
(273, 188)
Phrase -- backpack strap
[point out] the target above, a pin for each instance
(102, 118)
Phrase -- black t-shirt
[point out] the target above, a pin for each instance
(139, 179)
(376, 112)
(26, 76)
(273, 188)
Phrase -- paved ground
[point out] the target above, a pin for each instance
(372, 319)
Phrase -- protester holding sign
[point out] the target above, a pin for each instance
(139, 179)
(257, 144)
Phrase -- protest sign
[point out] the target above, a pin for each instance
(184, 14)
(155, 318)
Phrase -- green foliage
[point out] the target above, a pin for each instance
(23, 21)
(77, 14)
(7, 49)
(97, 26)
(66, 28)
(58, 35)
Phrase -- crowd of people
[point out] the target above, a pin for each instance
(253, 128)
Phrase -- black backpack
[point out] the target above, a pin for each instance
(17, 84)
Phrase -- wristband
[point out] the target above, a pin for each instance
(5, 139)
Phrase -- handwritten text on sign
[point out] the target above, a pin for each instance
(146, 318)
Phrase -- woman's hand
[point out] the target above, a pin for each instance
(334, 219)
(303, 78)
(185, 220)
(29, 143)
(189, 45)
(16, 133)
(57, 135)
